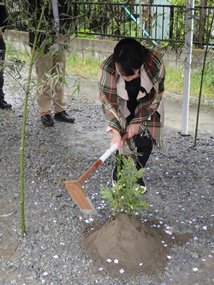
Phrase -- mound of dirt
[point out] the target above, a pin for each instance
(125, 245)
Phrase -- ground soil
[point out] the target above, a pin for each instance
(179, 179)
(135, 246)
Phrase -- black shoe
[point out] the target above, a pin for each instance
(5, 105)
(142, 185)
(47, 120)
(141, 182)
(63, 117)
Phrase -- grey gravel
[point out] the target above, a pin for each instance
(180, 181)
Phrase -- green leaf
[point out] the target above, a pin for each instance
(126, 194)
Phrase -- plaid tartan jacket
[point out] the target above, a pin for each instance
(113, 97)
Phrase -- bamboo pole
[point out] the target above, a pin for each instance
(24, 120)
(201, 81)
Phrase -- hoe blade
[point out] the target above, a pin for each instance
(80, 197)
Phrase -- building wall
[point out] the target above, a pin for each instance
(100, 48)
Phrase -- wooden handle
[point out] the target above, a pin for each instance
(124, 137)
(96, 164)
(90, 170)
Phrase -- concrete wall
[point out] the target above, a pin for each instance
(100, 48)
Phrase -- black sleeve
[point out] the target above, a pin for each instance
(3, 15)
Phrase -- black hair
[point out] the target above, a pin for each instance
(130, 55)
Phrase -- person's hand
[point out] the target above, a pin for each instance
(116, 138)
(133, 130)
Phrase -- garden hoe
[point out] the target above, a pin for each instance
(75, 189)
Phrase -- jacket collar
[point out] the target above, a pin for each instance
(121, 86)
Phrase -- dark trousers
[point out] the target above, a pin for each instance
(144, 147)
(2, 58)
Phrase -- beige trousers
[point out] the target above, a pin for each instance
(50, 70)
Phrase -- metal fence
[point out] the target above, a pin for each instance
(157, 23)
(163, 24)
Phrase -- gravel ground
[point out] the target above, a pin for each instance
(180, 181)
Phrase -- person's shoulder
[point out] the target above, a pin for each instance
(154, 57)
(108, 65)
(154, 52)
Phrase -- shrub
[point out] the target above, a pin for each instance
(126, 195)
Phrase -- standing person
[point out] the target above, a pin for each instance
(131, 85)
(3, 24)
(54, 21)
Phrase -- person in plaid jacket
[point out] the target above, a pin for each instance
(131, 87)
